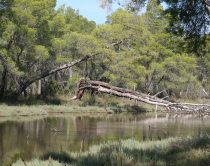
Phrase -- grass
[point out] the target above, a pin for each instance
(103, 103)
(25, 110)
(172, 151)
(193, 150)
(62, 104)
(37, 162)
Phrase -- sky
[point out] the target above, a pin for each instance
(88, 8)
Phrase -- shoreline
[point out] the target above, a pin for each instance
(12, 111)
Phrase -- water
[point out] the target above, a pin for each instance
(27, 138)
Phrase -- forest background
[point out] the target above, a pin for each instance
(44, 51)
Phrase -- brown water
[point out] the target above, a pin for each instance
(30, 138)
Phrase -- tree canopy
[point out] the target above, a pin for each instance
(45, 51)
(188, 18)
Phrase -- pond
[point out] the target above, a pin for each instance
(30, 137)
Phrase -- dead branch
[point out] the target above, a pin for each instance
(103, 87)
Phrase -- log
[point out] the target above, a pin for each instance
(103, 87)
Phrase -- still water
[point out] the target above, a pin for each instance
(29, 137)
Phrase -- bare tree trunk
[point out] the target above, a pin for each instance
(31, 89)
(39, 89)
(3, 82)
(103, 87)
(70, 72)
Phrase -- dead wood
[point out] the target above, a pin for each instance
(103, 87)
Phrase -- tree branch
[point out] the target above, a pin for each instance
(207, 5)
(122, 92)
(47, 73)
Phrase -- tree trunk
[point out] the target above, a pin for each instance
(39, 91)
(103, 87)
(70, 72)
(3, 82)
(22, 86)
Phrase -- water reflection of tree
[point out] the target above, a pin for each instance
(86, 130)
(90, 130)
(201, 130)
(1, 141)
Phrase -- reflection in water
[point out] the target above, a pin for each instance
(28, 139)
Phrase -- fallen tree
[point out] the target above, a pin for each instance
(103, 87)
(22, 85)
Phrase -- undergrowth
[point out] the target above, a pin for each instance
(193, 151)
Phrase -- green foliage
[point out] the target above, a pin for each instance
(81, 44)
(37, 162)
(154, 19)
(187, 18)
(62, 157)
(179, 73)
(136, 51)
(57, 25)
(169, 151)
(74, 22)
(41, 51)
(190, 19)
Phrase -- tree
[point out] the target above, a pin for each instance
(189, 18)
(75, 22)
(26, 40)
(5, 16)
(121, 63)
(33, 42)
(103, 87)
(155, 20)
(57, 47)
